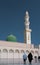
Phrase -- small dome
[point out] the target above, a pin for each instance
(11, 38)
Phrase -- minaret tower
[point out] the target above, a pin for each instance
(27, 29)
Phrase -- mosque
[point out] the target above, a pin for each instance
(11, 49)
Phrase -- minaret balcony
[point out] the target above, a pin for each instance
(28, 30)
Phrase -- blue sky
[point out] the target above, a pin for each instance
(12, 19)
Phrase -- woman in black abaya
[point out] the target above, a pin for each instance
(30, 57)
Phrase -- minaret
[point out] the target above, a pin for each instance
(27, 29)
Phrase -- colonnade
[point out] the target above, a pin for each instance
(17, 53)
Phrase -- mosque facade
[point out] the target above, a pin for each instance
(14, 50)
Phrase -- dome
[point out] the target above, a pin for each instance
(11, 38)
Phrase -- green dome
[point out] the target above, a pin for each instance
(11, 38)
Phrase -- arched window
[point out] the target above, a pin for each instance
(11, 51)
(5, 50)
(17, 51)
(22, 51)
(32, 51)
(27, 51)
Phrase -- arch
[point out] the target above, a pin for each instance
(5, 50)
(11, 50)
(32, 51)
(11, 53)
(0, 50)
(36, 52)
(22, 51)
(27, 51)
(17, 51)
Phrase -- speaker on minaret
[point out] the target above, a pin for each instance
(27, 33)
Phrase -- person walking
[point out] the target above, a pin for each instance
(24, 57)
(30, 57)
